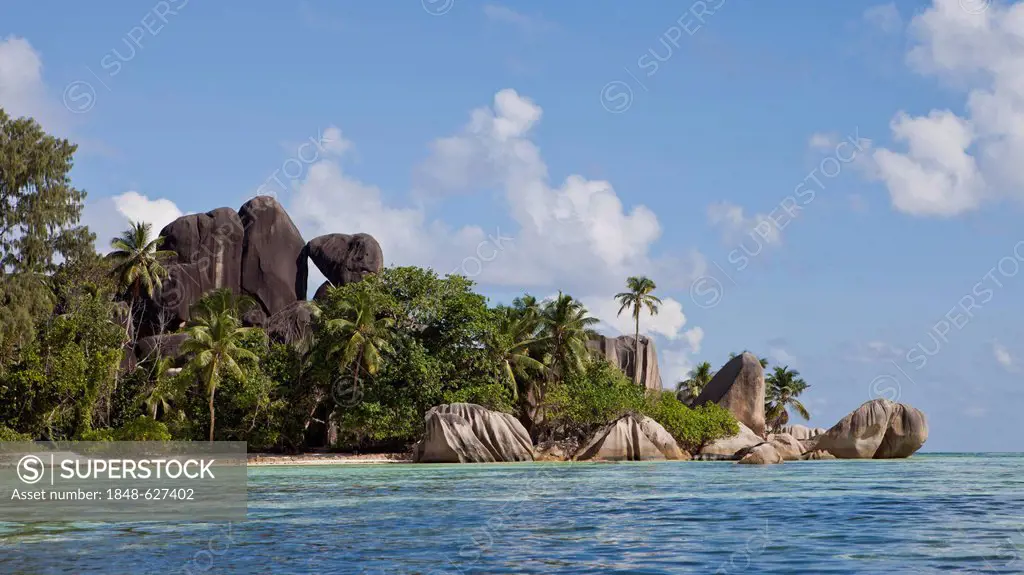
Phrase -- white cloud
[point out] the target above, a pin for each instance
(956, 162)
(669, 321)
(108, 217)
(677, 361)
(735, 225)
(1002, 355)
(21, 77)
(822, 141)
(885, 17)
(576, 236)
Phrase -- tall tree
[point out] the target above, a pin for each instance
(509, 345)
(783, 387)
(39, 214)
(565, 329)
(136, 260)
(214, 343)
(698, 378)
(638, 297)
(359, 337)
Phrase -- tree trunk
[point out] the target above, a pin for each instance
(213, 390)
(636, 350)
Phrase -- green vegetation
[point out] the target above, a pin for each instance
(639, 296)
(379, 353)
(699, 377)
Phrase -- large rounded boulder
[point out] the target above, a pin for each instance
(344, 258)
(739, 387)
(878, 429)
(208, 256)
(469, 433)
(274, 267)
(631, 438)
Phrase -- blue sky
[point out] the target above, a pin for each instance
(536, 146)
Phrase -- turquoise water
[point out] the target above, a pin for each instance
(928, 514)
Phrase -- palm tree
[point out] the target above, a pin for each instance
(638, 297)
(698, 378)
(510, 344)
(137, 264)
(159, 397)
(359, 336)
(784, 385)
(565, 329)
(763, 360)
(214, 342)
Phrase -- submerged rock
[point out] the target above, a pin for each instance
(619, 351)
(878, 429)
(469, 433)
(631, 438)
(739, 387)
(763, 454)
(727, 447)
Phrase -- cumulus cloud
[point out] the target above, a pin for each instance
(108, 217)
(576, 235)
(955, 162)
(669, 322)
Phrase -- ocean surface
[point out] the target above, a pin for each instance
(932, 513)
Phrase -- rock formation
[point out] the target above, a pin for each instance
(787, 446)
(739, 387)
(469, 433)
(292, 324)
(209, 256)
(619, 351)
(273, 266)
(802, 432)
(761, 454)
(728, 447)
(164, 345)
(344, 258)
(631, 438)
(878, 429)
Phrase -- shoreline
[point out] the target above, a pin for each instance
(270, 459)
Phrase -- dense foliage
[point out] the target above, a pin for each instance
(378, 355)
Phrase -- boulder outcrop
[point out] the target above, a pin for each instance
(209, 256)
(292, 324)
(728, 447)
(739, 387)
(619, 351)
(787, 446)
(469, 433)
(163, 345)
(878, 429)
(273, 265)
(631, 438)
(762, 454)
(802, 432)
(344, 258)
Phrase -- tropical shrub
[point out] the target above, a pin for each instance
(692, 428)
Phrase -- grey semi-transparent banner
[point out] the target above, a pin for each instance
(122, 481)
